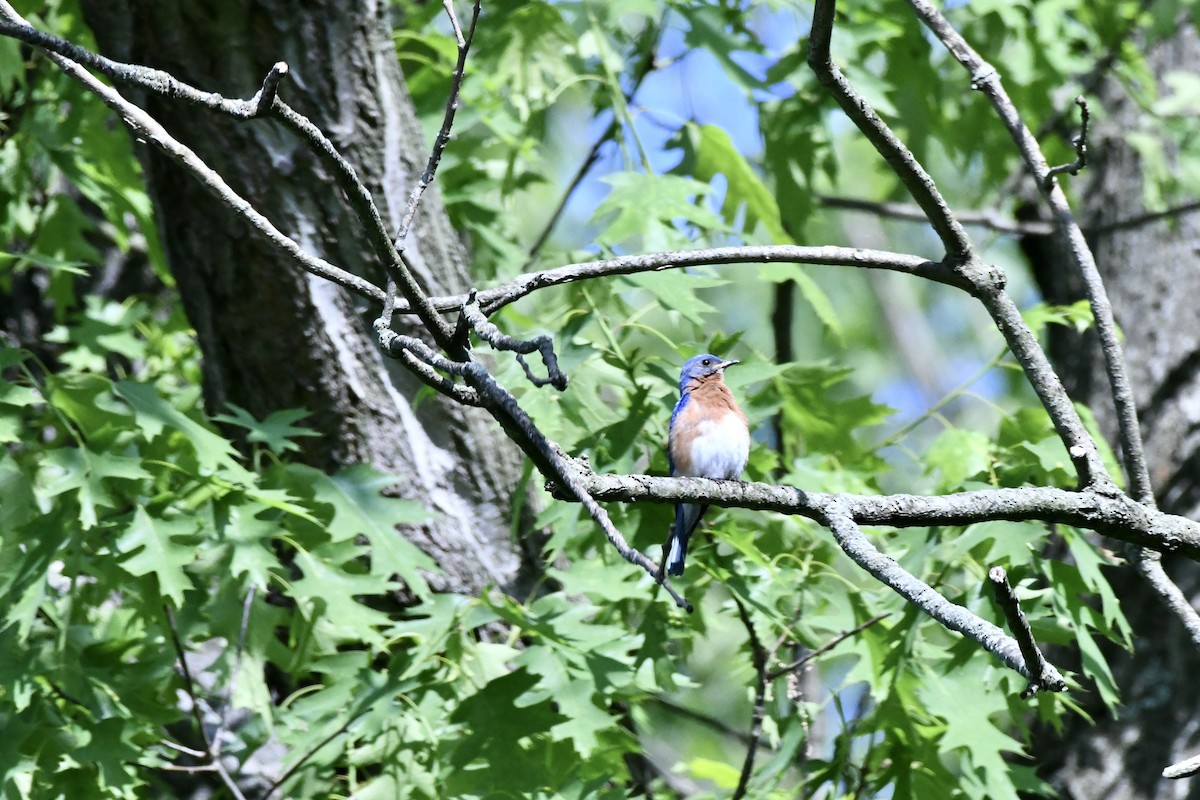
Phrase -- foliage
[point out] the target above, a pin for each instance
(132, 527)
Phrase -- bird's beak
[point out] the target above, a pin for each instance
(725, 364)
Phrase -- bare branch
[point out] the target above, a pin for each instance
(645, 68)
(215, 750)
(1183, 769)
(995, 221)
(214, 763)
(542, 343)
(986, 79)
(495, 298)
(792, 666)
(990, 219)
(955, 617)
(1149, 566)
(443, 137)
(1035, 662)
(1080, 143)
(1116, 516)
(759, 657)
(914, 177)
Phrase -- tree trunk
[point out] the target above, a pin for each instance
(1152, 278)
(272, 336)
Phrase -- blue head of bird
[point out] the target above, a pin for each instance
(700, 367)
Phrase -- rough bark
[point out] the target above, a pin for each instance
(1152, 279)
(273, 337)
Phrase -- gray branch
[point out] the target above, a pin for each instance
(499, 340)
(1035, 662)
(495, 298)
(910, 172)
(951, 615)
(990, 219)
(1115, 516)
(263, 102)
(986, 79)
(983, 281)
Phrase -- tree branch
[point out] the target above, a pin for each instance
(499, 340)
(986, 79)
(952, 616)
(990, 219)
(759, 657)
(166, 85)
(1080, 143)
(1035, 662)
(443, 137)
(792, 666)
(914, 177)
(495, 298)
(1115, 516)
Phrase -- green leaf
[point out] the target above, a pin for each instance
(638, 200)
(154, 415)
(361, 508)
(276, 431)
(85, 473)
(958, 454)
(708, 152)
(155, 551)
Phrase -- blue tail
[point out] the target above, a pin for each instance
(687, 517)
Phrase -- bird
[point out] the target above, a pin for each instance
(708, 438)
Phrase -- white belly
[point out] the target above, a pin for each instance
(720, 449)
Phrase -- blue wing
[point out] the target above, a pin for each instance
(682, 530)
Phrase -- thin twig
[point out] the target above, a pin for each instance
(290, 771)
(995, 221)
(887, 571)
(189, 684)
(190, 687)
(759, 658)
(991, 220)
(443, 137)
(1035, 662)
(237, 668)
(645, 68)
(542, 343)
(1080, 144)
(792, 666)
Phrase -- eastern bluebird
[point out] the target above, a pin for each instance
(709, 438)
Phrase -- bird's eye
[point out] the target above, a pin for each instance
(707, 362)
